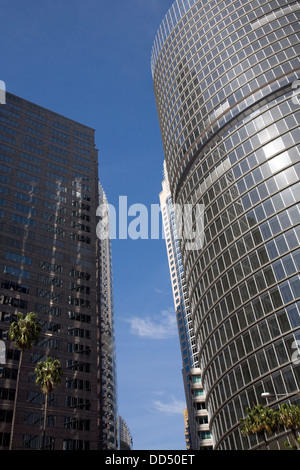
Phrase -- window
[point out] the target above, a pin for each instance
(22, 220)
(35, 442)
(202, 419)
(72, 444)
(80, 275)
(79, 288)
(5, 168)
(27, 187)
(56, 177)
(52, 281)
(205, 435)
(79, 424)
(25, 209)
(4, 439)
(51, 267)
(196, 379)
(79, 302)
(79, 349)
(80, 332)
(18, 258)
(48, 294)
(7, 300)
(38, 419)
(26, 198)
(54, 311)
(82, 317)
(16, 272)
(79, 403)
(55, 167)
(28, 176)
(15, 287)
(78, 384)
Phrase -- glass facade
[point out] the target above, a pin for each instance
(47, 266)
(224, 75)
(126, 441)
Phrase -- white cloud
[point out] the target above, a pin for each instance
(163, 326)
(158, 393)
(159, 291)
(174, 406)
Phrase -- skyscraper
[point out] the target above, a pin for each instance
(225, 74)
(49, 264)
(109, 394)
(194, 392)
(126, 441)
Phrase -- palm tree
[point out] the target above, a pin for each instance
(259, 420)
(25, 333)
(289, 417)
(48, 375)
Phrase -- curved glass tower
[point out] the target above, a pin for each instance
(226, 80)
(126, 441)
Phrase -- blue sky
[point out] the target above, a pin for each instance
(90, 61)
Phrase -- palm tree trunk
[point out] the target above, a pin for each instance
(267, 443)
(15, 403)
(45, 421)
(296, 439)
(265, 440)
